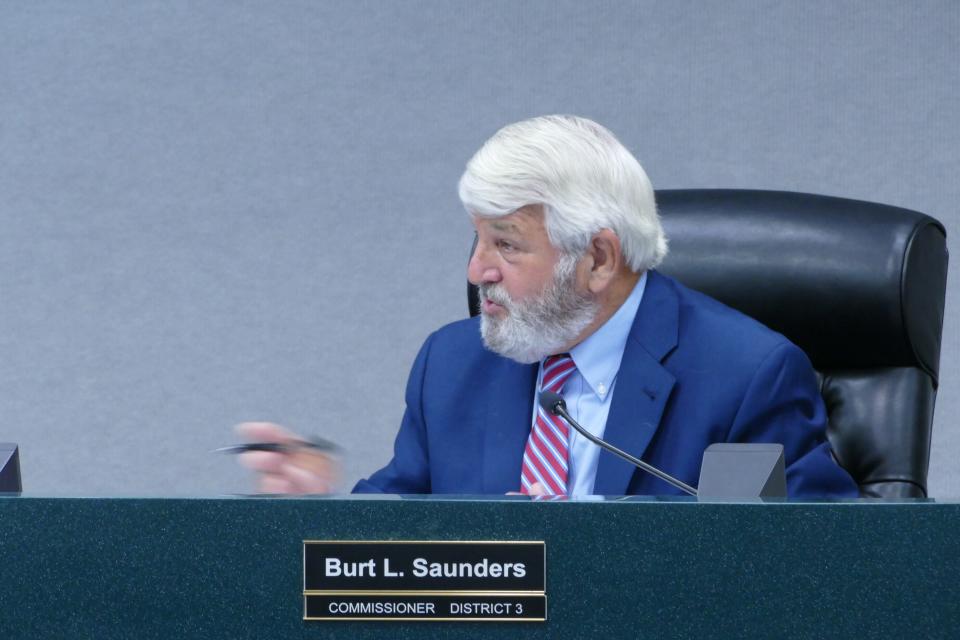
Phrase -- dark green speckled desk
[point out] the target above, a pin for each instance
(109, 568)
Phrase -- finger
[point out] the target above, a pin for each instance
(265, 432)
(262, 461)
(316, 462)
(537, 489)
(271, 483)
(306, 481)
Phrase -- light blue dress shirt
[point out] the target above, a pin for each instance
(589, 390)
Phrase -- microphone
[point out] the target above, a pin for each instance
(553, 404)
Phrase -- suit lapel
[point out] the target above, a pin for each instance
(508, 415)
(643, 384)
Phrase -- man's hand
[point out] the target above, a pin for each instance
(536, 489)
(298, 472)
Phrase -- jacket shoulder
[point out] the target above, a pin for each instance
(466, 331)
(456, 348)
(722, 332)
(731, 354)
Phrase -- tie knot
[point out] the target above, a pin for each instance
(556, 370)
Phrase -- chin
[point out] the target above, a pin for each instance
(498, 338)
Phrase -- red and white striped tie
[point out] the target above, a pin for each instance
(545, 458)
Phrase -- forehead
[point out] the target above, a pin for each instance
(526, 221)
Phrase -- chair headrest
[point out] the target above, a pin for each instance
(854, 284)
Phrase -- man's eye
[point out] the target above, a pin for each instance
(505, 246)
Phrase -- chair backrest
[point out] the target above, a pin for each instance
(859, 286)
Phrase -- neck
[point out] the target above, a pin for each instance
(610, 299)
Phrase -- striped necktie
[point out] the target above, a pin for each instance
(545, 458)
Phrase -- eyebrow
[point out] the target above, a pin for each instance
(505, 226)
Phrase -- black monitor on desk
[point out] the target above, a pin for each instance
(9, 468)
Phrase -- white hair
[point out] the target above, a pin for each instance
(581, 174)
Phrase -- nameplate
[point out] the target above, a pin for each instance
(475, 581)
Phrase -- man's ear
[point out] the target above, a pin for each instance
(606, 258)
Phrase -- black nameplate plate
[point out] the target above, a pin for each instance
(463, 580)
(424, 566)
(441, 607)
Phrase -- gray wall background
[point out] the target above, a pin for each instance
(219, 211)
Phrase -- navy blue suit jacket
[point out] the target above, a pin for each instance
(694, 372)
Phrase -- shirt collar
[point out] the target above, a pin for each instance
(598, 357)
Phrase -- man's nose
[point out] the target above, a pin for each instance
(482, 270)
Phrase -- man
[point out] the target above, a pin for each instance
(567, 241)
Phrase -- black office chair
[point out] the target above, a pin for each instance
(859, 286)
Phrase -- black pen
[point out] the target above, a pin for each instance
(319, 445)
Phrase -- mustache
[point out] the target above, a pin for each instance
(496, 294)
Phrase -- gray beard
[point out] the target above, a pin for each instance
(543, 326)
